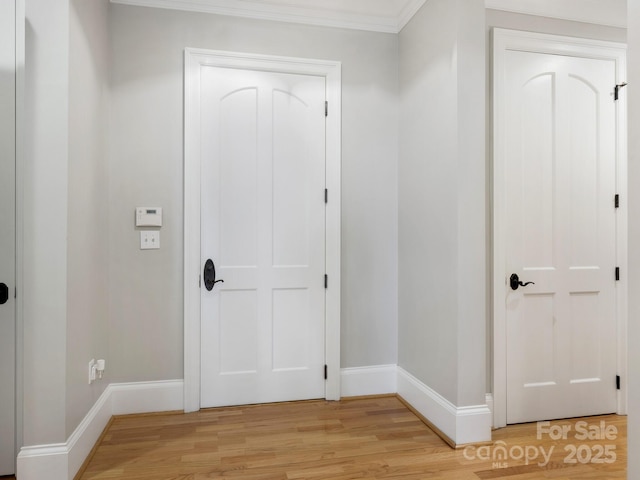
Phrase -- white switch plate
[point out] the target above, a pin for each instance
(149, 239)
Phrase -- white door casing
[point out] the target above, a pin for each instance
(559, 343)
(198, 65)
(8, 236)
(262, 227)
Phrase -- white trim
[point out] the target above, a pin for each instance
(43, 461)
(463, 425)
(488, 398)
(289, 13)
(87, 433)
(19, 246)
(195, 59)
(333, 231)
(611, 13)
(375, 380)
(63, 460)
(622, 232)
(147, 397)
(503, 41)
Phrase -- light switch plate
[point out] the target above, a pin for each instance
(149, 239)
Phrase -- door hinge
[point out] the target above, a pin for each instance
(616, 93)
(199, 281)
(617, 201)
(617, 382)
(617, 274)
(326, 195)
(326, 281)
(326, 374)
(326, 109)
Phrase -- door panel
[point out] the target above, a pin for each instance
(7, 234)
(561, 234)
(263, 180)
(237, 178)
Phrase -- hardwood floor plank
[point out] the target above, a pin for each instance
(368, 438)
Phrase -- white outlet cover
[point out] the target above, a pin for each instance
(149, 239)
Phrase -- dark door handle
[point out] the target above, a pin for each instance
(209, 275)
(4, 293)
(515, 282)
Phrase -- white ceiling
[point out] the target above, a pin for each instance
(386, 15)
(376, 15)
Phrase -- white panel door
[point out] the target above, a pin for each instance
(560, 171)
(262, 224)
(7, 235)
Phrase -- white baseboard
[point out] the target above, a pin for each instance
(462, 425)
(62, 461)
(147, 397)
(85, 436)
(377, 380)
(489, 400)
(45, 461)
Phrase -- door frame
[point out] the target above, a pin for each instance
(21, 55)
(194, 60)
(19, 11)
(505, 40)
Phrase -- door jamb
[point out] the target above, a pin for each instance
(504, 40)
(195, 59)
(20, 123)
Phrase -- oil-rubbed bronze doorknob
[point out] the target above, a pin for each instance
(515, 282)
(209, 275)
(4, 293)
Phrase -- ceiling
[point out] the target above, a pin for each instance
(386, 15)
(375, 15)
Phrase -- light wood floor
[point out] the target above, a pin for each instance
(362, 438)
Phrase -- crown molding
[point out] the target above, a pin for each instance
(289, 13)
(611, 13)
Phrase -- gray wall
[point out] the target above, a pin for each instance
(64, 214)
(442, 200)
(87, 241)
(44, 213)
(146, 164)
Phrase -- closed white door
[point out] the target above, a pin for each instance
(263, 232)
(7, 236)
(560, 174)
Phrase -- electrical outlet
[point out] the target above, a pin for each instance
(92, 371)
